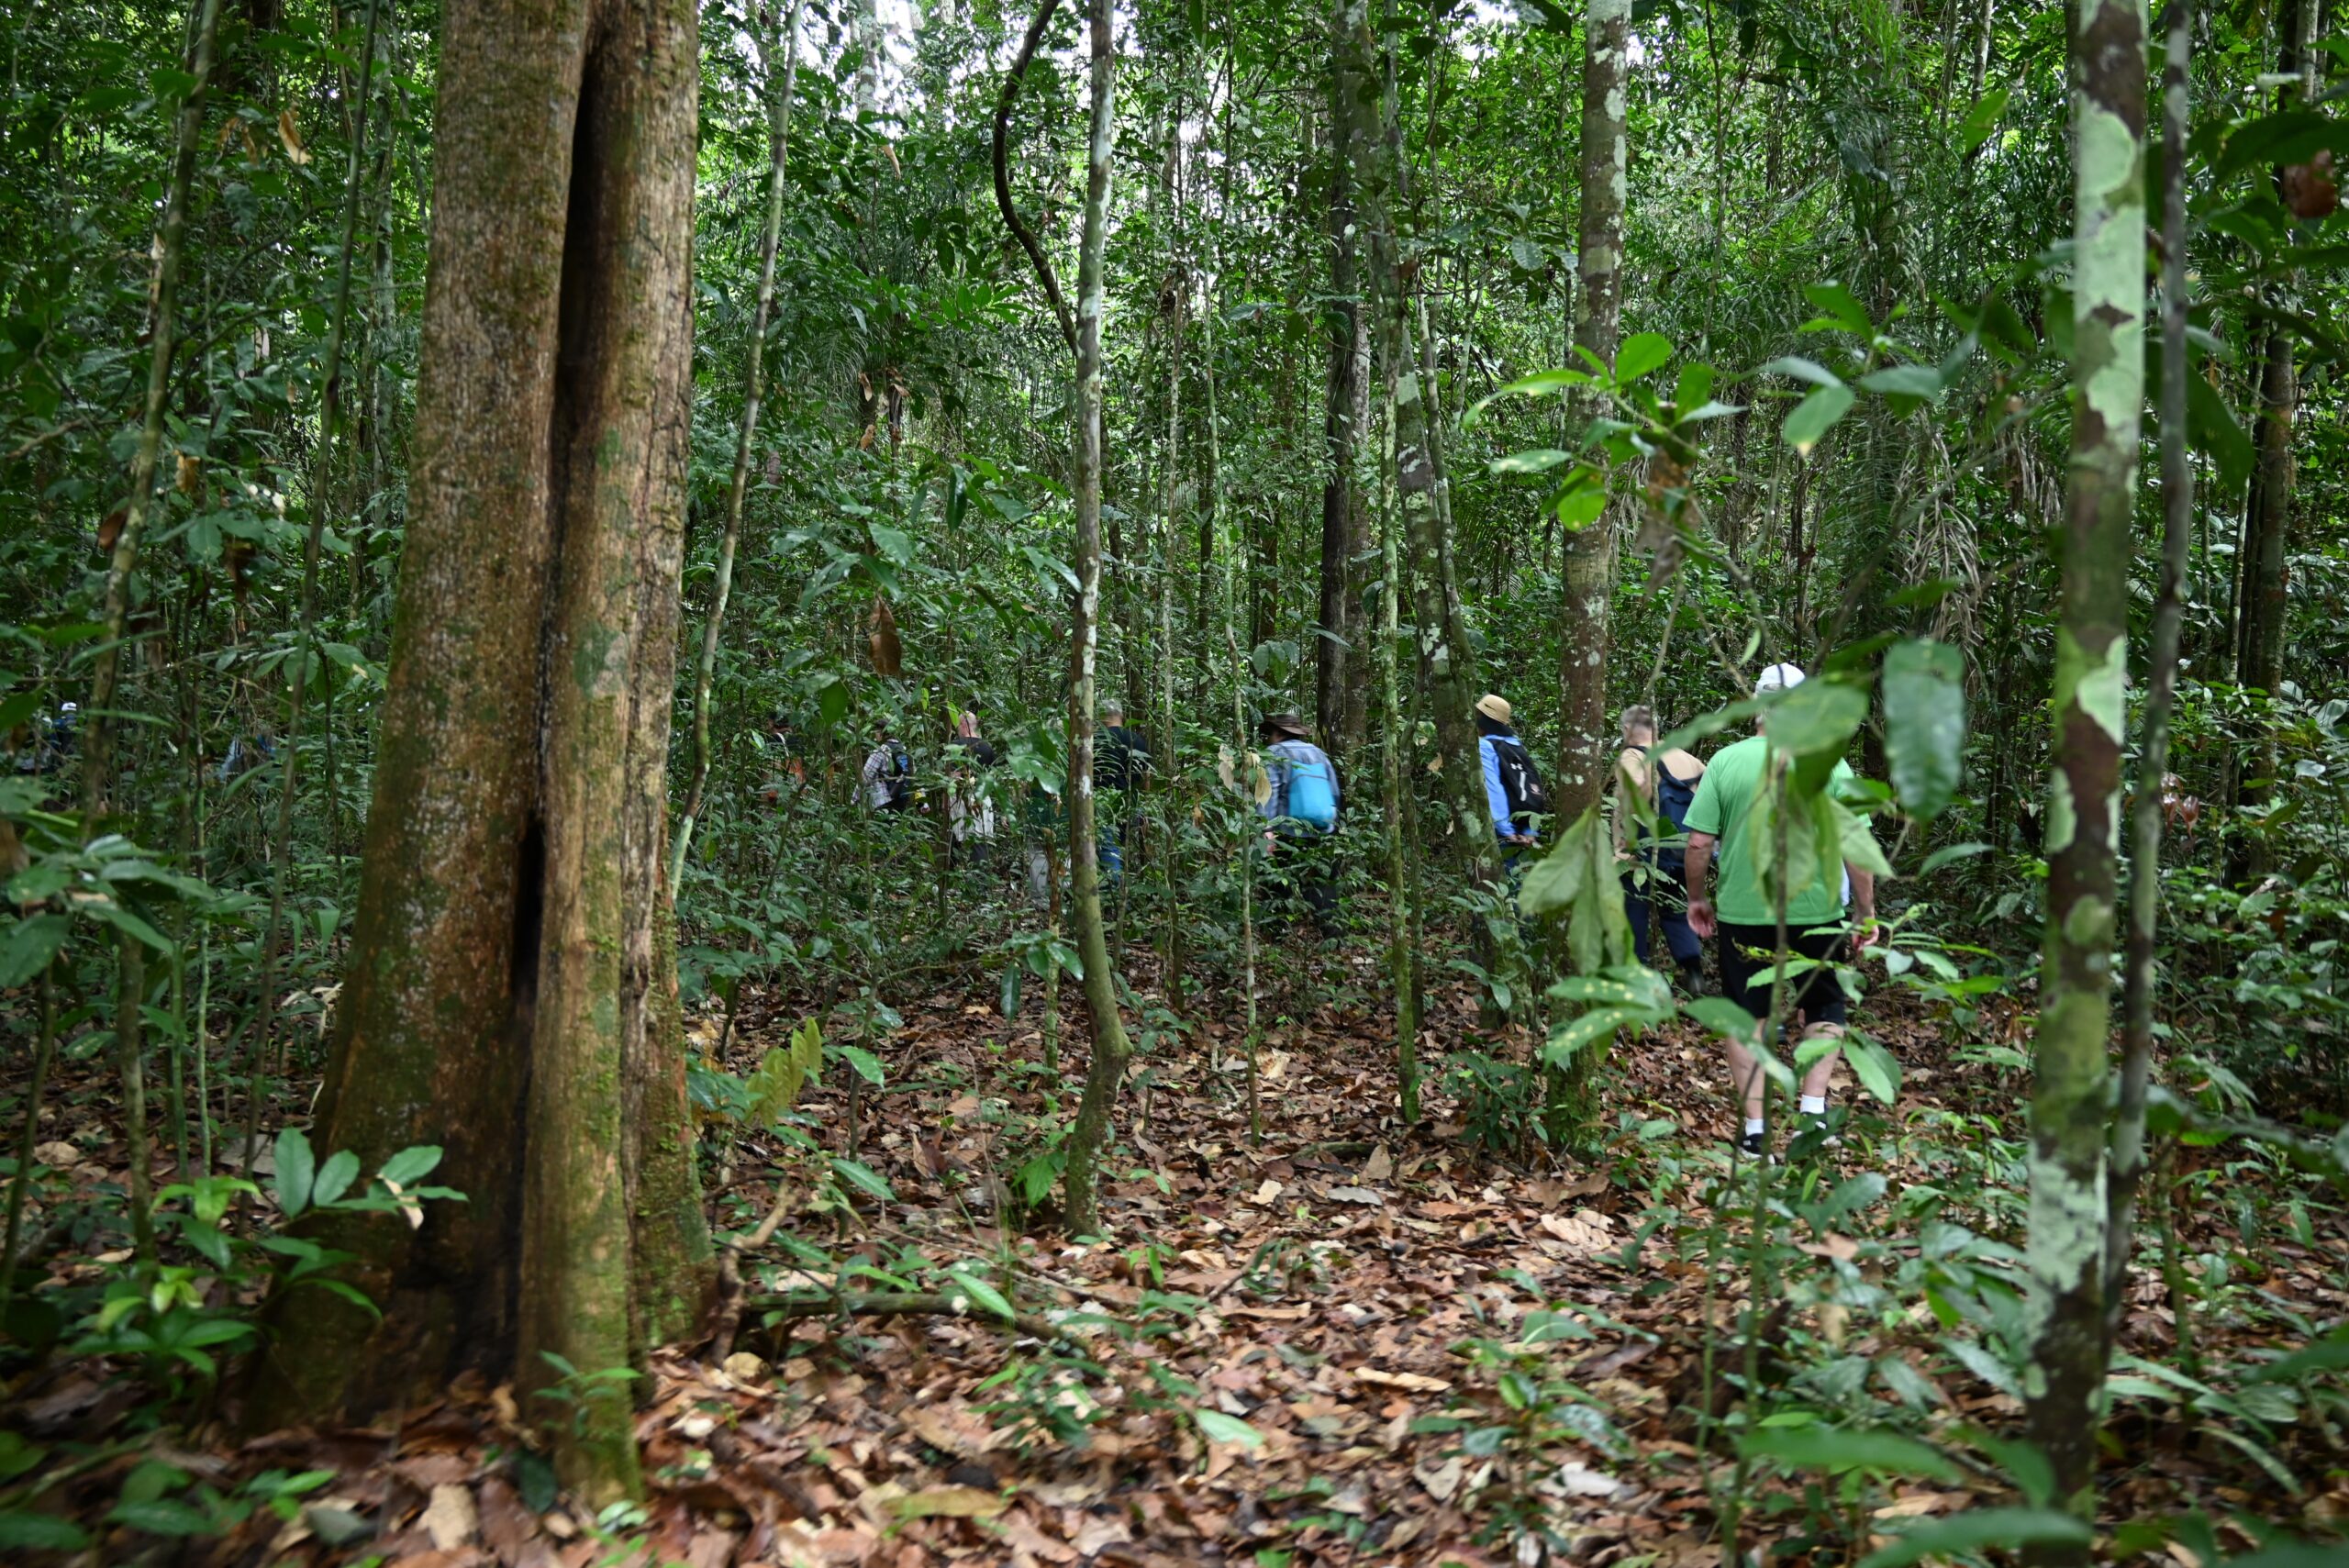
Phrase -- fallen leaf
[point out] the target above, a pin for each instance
(1380, 1166)
(1416, 1382)
(450, 1518)
(946, 1502)
(1362, 1195)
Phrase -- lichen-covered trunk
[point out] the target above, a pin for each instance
(1588, 581)
(511, 995)
(1447, 657)
(2067, 1163)
(1111, 1049)
(2129, 1157)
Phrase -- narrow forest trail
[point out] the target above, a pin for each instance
(1332, 1289)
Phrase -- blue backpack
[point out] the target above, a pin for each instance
(1312, 795)
(1673, 796)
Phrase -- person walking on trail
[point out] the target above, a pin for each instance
(1655, 888)
(1513, 791)
(1301, 803)
(888, 782)
(1742, 918)
(1120, 760)
(970, 808)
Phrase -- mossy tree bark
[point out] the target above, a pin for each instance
(1447, 655)
(1338, 705)
(2068, 1162)
(512, 992)
(1588, 584)
(1111, 1049)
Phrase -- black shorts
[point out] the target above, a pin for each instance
(1748, 958)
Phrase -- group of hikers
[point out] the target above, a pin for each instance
(1689, 878)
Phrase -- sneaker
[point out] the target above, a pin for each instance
(1753, 1146)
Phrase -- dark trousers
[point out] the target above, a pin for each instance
(1665, 898)
(1302, 870)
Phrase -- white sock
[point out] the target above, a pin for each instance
(1754, 1126)
(1814, 1105)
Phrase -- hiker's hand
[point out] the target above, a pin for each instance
(1868, 935)
(1701, 918)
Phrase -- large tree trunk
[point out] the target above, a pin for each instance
(1338, 709)
(1585, 738)
(512, 992)
(1447, 656)
(1111, 1049)
(2065, 1307)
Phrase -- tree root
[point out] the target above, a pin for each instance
(900, 1304)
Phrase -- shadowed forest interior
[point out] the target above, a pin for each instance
(853, 782)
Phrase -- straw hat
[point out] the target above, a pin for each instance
(1494, 706)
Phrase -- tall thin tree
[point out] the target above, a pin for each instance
(2072, 1081)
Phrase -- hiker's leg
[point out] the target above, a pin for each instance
(1745, 980)
(1635, 909)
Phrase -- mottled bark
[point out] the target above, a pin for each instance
(2068, 1162)
(1447, 657)
(1111, 1049)
(1586, 749)
(2169, 618)
(511, 995)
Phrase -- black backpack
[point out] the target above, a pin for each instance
(1673, 796)
(1521, 784)
(900, 777)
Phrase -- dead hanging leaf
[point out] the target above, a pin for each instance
(888, 654)
(191, 473)
(864, 442)
(291, 134)
(1260, 782)
(2309, 189)
(110, 526)
(891, 149)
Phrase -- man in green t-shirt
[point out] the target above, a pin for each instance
(1747, 927)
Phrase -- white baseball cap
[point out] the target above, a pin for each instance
(1777, 677)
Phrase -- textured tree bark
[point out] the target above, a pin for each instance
(1447, 656)
(1585, 750)
(2169, 619)
(2064, 1310)
(1111, 1049)
(511, 995)
(1337, 706)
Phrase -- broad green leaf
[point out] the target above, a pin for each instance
(1541, 460)
(31, 943)
(1222, 1428)
(983, 1292)
(1976, 1529)
(297, 1169)
(1580, 507)
(1694, 387)
(1800, 369)
(1924, 723)
(1982, 120)
(129, 924)
(1726, 1018)
(1839, 302)
(859, 1174)
(1855, 843)
(2328, 1354)
(1571, 1037)
(1851, 1448)
(1948, 853)
(1814, 417)
(1904, 381)
(866, 1064)
(1816, 718)
(1874, 1066)
(412, 1164)
(1641, 352)
(1554, 882)
(23, 1531)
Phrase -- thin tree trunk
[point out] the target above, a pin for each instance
(2169, 618)
(1111, 1049)
(1345, 400)
(2064, 1312)
(706, 672)
(97, 734)
(1392, 781)
(1587, 588)
(1447, 656)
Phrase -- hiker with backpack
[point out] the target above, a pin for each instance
(888, 782)
(1301, 803)
(1655, 886)
(1513, 791)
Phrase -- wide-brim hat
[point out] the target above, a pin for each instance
(1495, 707)
(1778, 678)
(1287, 724)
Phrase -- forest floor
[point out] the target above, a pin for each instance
(1329, 1290)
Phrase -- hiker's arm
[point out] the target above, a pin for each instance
(1863, 905)
(1495, 797)
(1700, 897)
